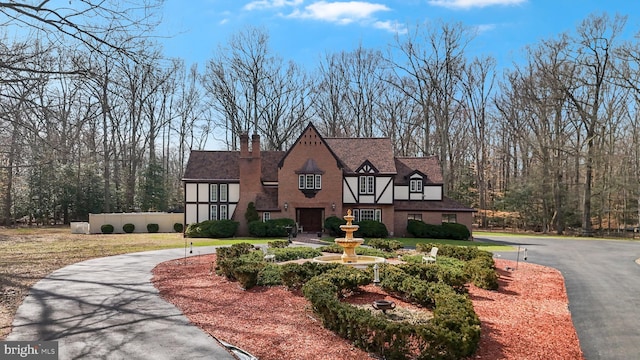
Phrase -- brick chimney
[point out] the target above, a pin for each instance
(255, 146)
(244, 145)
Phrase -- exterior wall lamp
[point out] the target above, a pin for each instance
(286, 206)
(333, 206)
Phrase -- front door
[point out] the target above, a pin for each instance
(310, 219)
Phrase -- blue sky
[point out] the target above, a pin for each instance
(304, 30)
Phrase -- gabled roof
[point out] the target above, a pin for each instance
(224, 165)
(355, 151)
(428, 166)
(337, 158)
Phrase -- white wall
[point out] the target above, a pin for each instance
(165, 221)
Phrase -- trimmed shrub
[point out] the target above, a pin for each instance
(337, 249)
(270, 275)
(332, 225)
(251, 214)
(384, 244)
(153, 228)
(420, 229)
(295, 275)
(247, 274)
(107, 229)
(271, 228)
(371, 229)
(295, 253)
(178, 227)
(128, 228)
(280, 244)
(212, 229)
(453, 333)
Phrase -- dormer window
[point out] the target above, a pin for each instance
(310, 178)
(415, 185)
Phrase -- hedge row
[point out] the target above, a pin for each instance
(212, 229)
(420, 229)
(478, 266)
(453, 333)
(367, 228)
(271, 228)
(129, 228)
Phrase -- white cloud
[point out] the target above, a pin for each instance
(485, 28)
(468, 4)
(268, 4)
(391, 26)
(339, 12)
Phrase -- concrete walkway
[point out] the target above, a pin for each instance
(107, 308)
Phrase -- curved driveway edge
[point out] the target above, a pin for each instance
(603, 286)
(107, 308)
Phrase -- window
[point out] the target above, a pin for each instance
(415, 185)
(367, 214)
(449, 218)
(213, 194)
(223, 212)
(266, 216)
(366, 184)
(223, 192)
(414, 217)
(309, 181)
(214, 212)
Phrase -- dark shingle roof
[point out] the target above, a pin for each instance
(354, 152)
(212, 165)
(446, 204)
(224, 165)
(429, 166)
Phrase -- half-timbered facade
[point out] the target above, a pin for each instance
(316, 178)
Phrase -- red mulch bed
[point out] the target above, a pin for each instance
(527, 318)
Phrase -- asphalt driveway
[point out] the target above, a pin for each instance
(603, 286)
(107, 308)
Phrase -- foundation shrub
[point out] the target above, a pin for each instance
(420, 229)
(332, 225)
(153, 228)
(371, 229)
(107, 229)
(128, 228)
(212, 229)
(270, 228)
(178, 227)
(384, 244)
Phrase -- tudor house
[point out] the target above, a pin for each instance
(316, 178)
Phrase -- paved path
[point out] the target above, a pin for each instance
(603, 286)
(107, 308)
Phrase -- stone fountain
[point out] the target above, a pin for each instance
(349, 244)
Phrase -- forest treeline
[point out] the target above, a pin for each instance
(93, 117)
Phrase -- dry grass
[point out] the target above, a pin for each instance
(29, 254)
